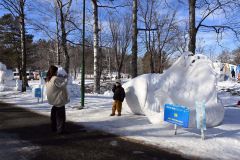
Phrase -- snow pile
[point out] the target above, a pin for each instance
(8, 75)
(6, 78)
(190, 79)
(218, 67)
(73, 90)
(108, 93)
(3, 69)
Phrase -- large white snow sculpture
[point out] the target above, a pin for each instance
(188, 80)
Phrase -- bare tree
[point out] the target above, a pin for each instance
(182, 38)
(58, 49)
(225, 57)
(236, 57)
(192, 28)
(96, 47)
(161, 30)
(134, 38)
(120, 31)
(75, 59)
(17, 9)
(167, 32)
(66, 26)
(146, 12)
(208, 8)
(64, 9)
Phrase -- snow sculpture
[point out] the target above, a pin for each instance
(6, 78)
(3, 69)
(188, 80)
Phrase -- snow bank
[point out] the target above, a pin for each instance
(222, 142)
(108, 93)
(188, 80)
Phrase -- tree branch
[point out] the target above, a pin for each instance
(210, 12)
(113, 7)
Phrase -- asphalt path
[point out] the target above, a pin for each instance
(26, 135)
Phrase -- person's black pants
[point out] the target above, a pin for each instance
(58, 118)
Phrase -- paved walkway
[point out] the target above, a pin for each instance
(25, 135)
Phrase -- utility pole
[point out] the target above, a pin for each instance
(83, 60)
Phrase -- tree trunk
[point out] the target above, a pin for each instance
(134, 40)
(116, 59)
(75, 73)
(58, 53)
(96, 47)
(58, 43)
(64, 39)
(150, 51)
(192, 28)
(160, 63)
(23, 46)
(121, 63)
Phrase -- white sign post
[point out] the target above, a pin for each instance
(201, 117)
(42, 83)
(38, 93)
(175, 129)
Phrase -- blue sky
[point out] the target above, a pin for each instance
(206, 39)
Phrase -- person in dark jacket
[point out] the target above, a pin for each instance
(118, 97)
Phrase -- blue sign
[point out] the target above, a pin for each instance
(38, 92)
(176, 114)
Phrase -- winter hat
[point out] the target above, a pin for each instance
(118, 81)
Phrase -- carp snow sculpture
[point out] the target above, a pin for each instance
(190, 79)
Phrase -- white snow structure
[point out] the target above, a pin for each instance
(6, 77)
(3, 69)
(190, 79)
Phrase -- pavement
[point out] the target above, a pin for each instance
(26, 135)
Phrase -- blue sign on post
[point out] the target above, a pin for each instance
(38, 92)
(176, 114)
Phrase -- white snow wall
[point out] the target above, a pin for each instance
(189, 79)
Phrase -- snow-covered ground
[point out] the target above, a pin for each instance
(222, 142)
